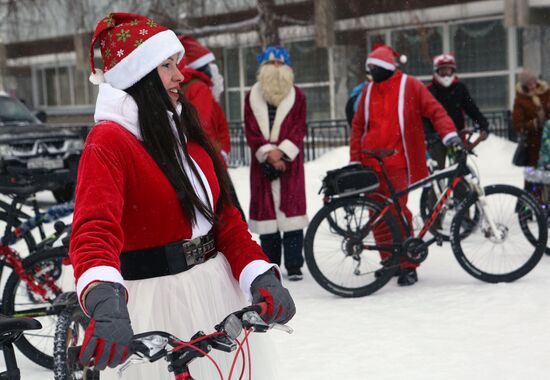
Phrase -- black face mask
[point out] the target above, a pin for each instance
(380, 74)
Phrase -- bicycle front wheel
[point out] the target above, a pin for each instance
(341, 252)
(509, 239)
(47, 271)
(69, 332)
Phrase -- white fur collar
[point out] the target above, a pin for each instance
(116, 105)
(259, 109)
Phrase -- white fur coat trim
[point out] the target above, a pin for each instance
(259, 109)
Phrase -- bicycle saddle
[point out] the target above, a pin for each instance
(379, 153)
(12, 327)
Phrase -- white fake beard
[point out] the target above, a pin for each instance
(275, 82)
(217, 82)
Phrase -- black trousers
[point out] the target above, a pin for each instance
(292, 242)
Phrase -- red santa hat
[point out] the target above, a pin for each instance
(385, 57)
(131, 47)
(196, 54)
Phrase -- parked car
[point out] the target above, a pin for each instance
(35, 153)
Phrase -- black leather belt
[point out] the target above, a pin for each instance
(168, 259)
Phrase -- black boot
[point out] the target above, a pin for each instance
(407, 277)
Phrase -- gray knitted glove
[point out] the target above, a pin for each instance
(109, 333)
(280, 306)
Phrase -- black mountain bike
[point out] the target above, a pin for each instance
(502, 244)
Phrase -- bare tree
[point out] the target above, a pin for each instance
(267, 27)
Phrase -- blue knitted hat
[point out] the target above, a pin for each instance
(274, 53)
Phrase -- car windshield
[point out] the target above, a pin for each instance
(13, 111)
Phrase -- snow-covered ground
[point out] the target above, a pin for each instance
(448, 326)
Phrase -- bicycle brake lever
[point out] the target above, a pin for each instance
(280, 327)
(252, 320)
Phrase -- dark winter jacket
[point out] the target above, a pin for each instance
(456, 100)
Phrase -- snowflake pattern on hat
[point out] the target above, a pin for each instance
(126, 36)
(131, 46)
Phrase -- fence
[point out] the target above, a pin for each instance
(325, 135)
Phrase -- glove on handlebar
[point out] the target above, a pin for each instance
(280, 305)
(109, 333)
(455, 142)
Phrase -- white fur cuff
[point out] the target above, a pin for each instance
(261, 153)
(253, 270)
(289, 149)
(448, 136)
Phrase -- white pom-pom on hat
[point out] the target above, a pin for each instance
(97, 78)
(403, 59)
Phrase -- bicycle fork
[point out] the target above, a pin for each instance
(497, 234)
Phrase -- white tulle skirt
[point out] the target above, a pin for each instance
(185, 303)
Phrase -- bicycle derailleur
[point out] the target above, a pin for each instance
(415, 250)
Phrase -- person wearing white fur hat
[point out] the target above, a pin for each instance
(156, 243)
(389, 120)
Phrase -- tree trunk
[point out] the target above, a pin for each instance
(267, 27)
(324, 23)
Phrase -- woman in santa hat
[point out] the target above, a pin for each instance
(149, 182)
(389, 119)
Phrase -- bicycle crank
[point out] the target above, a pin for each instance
(415, 250)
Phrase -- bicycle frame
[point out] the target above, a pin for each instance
(455, 173)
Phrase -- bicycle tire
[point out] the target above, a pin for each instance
(515, 247)
(27, 237)
(37, 345)
(373, 274)
(444, 232)
(69, 332)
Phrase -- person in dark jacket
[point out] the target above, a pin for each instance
(455, 98)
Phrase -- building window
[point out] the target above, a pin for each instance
(311, 65)
(489, 93)
(482, 46)
(420, 46)
(63, 86)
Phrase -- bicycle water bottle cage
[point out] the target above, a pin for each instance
(350, 180)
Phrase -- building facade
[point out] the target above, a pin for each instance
(491, 44)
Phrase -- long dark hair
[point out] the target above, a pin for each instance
(158, 138)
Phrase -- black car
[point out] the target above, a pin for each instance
(33, 153)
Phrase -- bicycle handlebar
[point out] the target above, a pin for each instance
(155, 345)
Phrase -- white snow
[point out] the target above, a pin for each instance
(448, 326)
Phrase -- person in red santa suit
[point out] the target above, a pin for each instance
(202, 85)
(389, 119)
(275, 127)
(149, 181)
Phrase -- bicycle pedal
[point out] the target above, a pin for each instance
(439, 241)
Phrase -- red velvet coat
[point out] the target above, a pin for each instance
(125, 202)
(411, 101)
(196, 87)
(279, 205)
